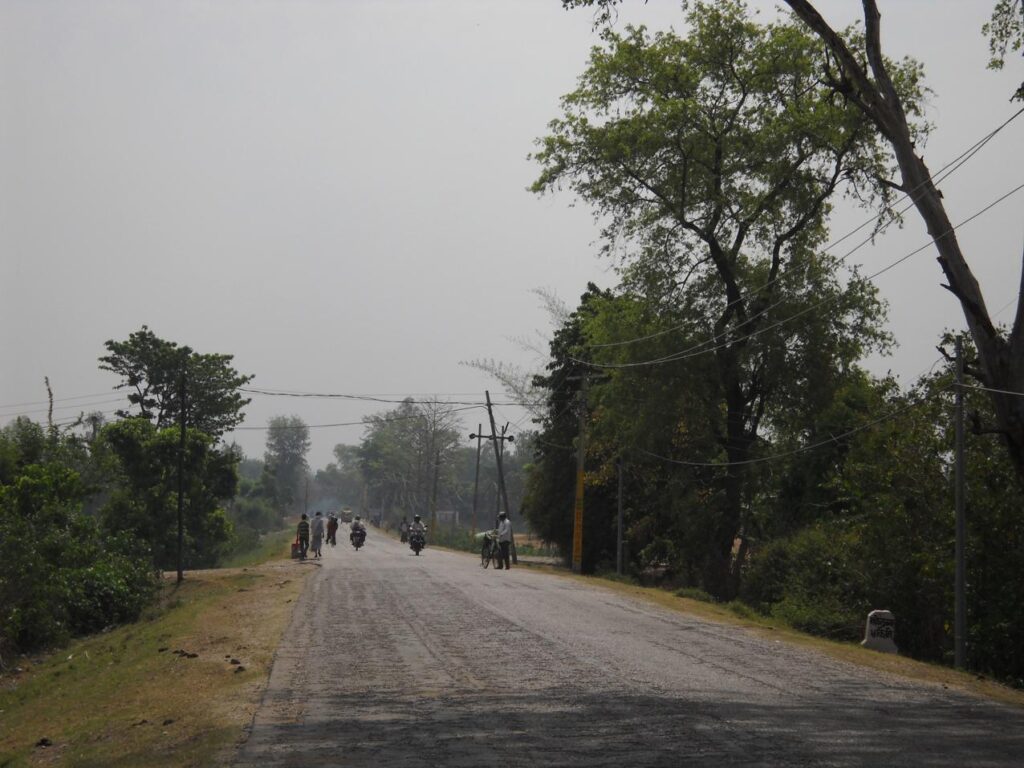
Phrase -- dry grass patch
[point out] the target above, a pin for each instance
(177, 688)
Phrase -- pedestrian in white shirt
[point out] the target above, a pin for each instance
(504, 541)
(317, 531)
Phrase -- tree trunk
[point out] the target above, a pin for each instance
(719, 578)
(1001, 359)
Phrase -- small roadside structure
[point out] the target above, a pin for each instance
(880, 632)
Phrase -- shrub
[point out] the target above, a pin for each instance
(810, 581)
(59, 577)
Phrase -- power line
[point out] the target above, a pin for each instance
(942, 174)
(83, 406)
(369, 421)
(56, 400)
(992, 389)
(367, 398)
(804, 449)
(696, 350)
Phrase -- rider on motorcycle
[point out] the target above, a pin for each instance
(418, 528)
(357, 525)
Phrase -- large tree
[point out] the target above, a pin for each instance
(153, 371)
(857, 70)
(863, 76)
(285, 462)
(143, 498)
(711, 160)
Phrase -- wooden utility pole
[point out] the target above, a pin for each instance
(181, 475)
(618, 536)
(433, 493)
(960, 608)
(476, 478)
(577, 523)
(498, 443)
(497, 454)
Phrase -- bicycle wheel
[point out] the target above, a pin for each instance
(486, 555)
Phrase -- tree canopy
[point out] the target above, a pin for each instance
(711, 159)
(152, 370)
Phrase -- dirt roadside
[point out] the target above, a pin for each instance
(177, 688)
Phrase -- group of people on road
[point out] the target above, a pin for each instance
(309, 535)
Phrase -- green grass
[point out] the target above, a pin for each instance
(272, 546)
(116, 699)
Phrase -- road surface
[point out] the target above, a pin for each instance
(397, 660)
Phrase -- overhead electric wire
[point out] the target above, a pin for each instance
(370, 398)
(368, 421)
(802, 449)
(57, 400)
(82, 406)
(696, 350)
(941, 175)
(993, 389)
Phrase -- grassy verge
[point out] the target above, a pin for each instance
(739, 615)
(177, 688)
(270, 547)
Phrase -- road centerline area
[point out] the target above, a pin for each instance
(397, 660)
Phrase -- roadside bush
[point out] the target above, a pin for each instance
(810, 581)
(59, 577)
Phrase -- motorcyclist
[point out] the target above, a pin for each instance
(357, 525)
(418, 527)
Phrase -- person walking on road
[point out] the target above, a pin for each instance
(504, 541)
(317, 531)
(302, 536)
(332, 530)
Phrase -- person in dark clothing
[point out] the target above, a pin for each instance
(332, 530)
(302, 536)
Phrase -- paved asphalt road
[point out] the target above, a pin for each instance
(397, 660)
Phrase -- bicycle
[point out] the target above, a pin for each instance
(490, 550)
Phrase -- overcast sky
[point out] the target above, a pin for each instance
(334, 192)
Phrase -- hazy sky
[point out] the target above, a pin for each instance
(334, 192)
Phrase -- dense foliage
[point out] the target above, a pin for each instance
(89, 511)
(712, 160)
(59, 574)
(156, 372)
(760, 460)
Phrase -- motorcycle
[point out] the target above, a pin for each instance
(417, 541)
(358, 538)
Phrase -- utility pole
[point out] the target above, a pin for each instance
(498, 442)
(497, 453)
(577, 523)
(618, 536)
(960, 610)
(476, 479)
(433, 494)
(181, 473)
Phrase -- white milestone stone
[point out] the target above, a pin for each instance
(880, 632)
